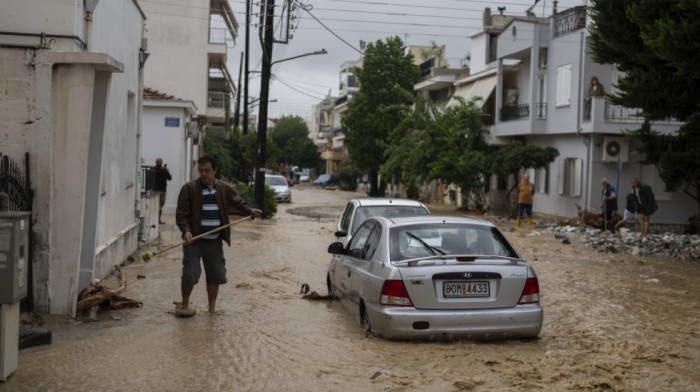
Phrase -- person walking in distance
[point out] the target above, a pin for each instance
(631, 212)
(526, 190)
(608, 204)
(647, 202)
(161, 185)
(203, 205)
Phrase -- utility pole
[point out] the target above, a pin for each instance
(237, 118)
(267, 9)
(247, 60)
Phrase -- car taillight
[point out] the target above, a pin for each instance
(394, 294)
(531, 292)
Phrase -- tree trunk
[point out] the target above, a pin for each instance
(373, 182)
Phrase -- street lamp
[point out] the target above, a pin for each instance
(262, 111)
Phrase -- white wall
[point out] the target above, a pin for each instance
(169, 144)
(177, 41)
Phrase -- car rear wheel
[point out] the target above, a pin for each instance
(364, 318)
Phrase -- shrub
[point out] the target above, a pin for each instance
(269, 203)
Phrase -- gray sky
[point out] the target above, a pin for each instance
(303, 82)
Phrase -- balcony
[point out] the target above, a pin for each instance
(570, 20)
(216, 49)
(518, 112)
(599, 115)
(217, 104)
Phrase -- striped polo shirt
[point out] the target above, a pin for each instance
(210, 213)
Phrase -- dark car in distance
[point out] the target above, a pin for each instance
(326, 180)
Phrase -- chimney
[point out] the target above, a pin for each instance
(554, 7)
(487, 17)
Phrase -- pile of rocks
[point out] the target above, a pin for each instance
(677, 246)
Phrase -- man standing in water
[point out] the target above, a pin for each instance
(647, 201)
(203, 205)
(526, 190)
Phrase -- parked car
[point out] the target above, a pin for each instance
(279, 185)
(290, 182)
(303, 178)
(357, 210)
(326, 180)
(435, 277)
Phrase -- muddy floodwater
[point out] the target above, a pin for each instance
(612, 321)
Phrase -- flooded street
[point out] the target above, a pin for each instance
(612, 321)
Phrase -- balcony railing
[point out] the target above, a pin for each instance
(217, 99)
(426, 66)
(569, 20)
(217, 35)
(541, 110)
(510, 113)
(341, 100)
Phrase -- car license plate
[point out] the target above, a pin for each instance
(466, 289)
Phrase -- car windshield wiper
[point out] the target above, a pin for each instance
(429, 247)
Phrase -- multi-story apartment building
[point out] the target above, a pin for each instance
(70, 98)
(534, 75)
(188, 42)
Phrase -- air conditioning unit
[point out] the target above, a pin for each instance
(614, 148)
(191, 129)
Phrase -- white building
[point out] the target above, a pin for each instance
(188, 42)
(70, 96)
(534, 75)
(172, 136)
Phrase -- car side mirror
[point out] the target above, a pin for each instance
(341, 233)
(337, 248)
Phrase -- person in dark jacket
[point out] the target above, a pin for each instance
(608, 205)
(647, 202)
(161, 185)
(631, 212)
(203, 205)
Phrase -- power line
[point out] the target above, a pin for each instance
(308, 8)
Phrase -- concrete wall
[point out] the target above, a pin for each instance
(58, 17)
(77, 114)
(168, 143)
(178, 35)
(478, 53)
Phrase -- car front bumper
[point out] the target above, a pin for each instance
(521, 321)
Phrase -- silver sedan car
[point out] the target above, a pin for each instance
(435, 277)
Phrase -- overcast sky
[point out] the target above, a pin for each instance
(303, 82)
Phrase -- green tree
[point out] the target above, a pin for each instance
(303, 152)
(655, 44)
(225, 152)
(510, 159)
(386, 80)
(289, 128)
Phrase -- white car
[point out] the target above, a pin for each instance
(357, 210)
(280, 186)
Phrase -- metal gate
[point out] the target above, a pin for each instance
(16, 195)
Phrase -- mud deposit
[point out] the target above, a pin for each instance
(616, 322)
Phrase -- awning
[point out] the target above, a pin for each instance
(479, 88)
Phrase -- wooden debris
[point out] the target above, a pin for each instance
(102, 296)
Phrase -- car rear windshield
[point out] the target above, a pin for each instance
(277, 180)
(390, 210)
(425, 240)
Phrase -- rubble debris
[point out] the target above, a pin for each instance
(317, 297)
(561, 237)
(102, 296)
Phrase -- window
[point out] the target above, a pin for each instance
(650, 176)
(542, 97)
(570, 176)
(357, 248)
(492, 55)
(539, 177)
(345, 221)
(564, 85)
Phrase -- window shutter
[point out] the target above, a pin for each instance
(578, 177)
(562, 176)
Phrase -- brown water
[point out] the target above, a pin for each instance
(606, 326)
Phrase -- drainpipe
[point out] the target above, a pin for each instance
(586, 138)
(90, 6)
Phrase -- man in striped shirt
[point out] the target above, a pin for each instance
(203, 205)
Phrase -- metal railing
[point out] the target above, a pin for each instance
(541, 110)
(148, 180)
(217, 35)
(509, 113)
(426, 66)
(569, 20)
(341, 100)
(217, 99)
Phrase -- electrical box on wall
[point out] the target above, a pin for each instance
(615, 147)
